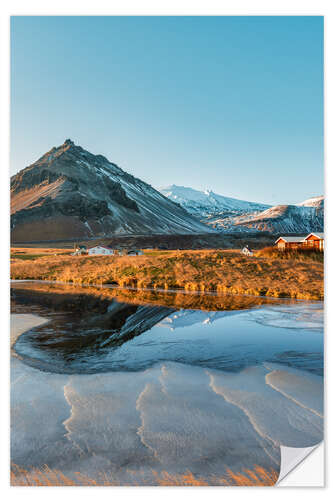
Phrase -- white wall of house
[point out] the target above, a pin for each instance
(98, 250)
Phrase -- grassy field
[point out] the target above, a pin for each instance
(268, 273)
(35, 253)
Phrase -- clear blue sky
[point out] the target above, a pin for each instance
(233, 104)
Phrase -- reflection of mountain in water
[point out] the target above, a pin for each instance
(184, 318)
(91, 334)
(79, 342)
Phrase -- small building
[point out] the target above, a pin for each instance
(101, 250)
(79, 250)
(289, 242)
(134, 252)
(315, 241)
(247, 251)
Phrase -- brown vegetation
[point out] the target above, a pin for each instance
(52, 477)
(24, 253)
(303, 254)
(269, 274)
(68, 297)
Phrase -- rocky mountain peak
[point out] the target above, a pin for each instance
(71, 193)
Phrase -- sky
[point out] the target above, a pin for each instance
(232, 104)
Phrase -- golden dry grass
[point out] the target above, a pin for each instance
(303, 254)
(52, 477)
(33, 251)
(192, 270)
(22, 253)
(174, 300)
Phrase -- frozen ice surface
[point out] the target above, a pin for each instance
(217, 392)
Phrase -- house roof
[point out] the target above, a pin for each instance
(319, 235)
(101, 246)
(291, 239)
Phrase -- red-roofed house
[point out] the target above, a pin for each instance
(314, 240)
(289, 242)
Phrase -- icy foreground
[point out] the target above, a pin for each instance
(173, 416)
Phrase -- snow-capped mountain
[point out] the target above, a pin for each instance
(70, 193)
(284, 219)
(186, 317)
(232, 215)
(207, 203)
(317, 201)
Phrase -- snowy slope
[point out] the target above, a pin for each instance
(284, 219)
(317, 201)
(232, 215)
(206, 203)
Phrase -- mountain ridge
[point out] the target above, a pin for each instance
(81, 195)
(195, 200)
(231, 215)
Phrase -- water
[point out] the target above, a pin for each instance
(131, 388)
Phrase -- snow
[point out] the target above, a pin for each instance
(233, 215)
(312, 202)
(208, 201)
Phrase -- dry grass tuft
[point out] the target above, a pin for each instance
(52, 477)
(301, 254)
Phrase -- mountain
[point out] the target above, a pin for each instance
(207, 203)
(231, 215)
(284, 219)
(317, 202)
(187, 317)
(71, 194)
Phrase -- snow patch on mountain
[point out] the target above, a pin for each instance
(231, 215)
(207, 203)
(317, 201)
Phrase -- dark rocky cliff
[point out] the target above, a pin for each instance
(70, 193)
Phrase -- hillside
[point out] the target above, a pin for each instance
(207, 203)
(229, 215)
(285, 219)
(70, 193)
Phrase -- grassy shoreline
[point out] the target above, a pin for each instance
(224, 271)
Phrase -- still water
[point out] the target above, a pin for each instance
(135, 388)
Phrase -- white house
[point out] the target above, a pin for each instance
(247, 251)
(101, 250)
